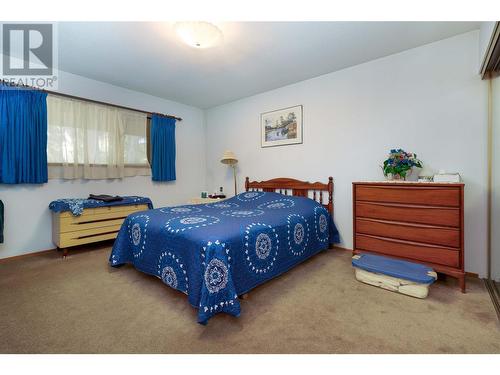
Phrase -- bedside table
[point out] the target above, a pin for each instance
(199, 200)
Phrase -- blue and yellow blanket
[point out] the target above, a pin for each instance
(77, 205)
(217, 251)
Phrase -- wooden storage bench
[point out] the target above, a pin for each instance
(93, 225)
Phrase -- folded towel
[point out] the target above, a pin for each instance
(105, 198)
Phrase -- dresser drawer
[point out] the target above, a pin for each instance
(409, 250)
(431, 215)
(85, 236)
(411, 232)
(90, 212)
(433, 196)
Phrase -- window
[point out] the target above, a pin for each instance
(95, 141)
(136, 141)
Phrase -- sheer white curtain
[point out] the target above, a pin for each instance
(94, 141)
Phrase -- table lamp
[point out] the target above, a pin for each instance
(230, 159)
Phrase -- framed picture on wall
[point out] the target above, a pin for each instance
(281, 127)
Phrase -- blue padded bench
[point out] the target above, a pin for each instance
(393, 274)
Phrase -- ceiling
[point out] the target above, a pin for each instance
(254, 56)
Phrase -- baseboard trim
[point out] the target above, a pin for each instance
(472, 274)
(27, 255)
(88, 246)
(42, 252)
(342, 248)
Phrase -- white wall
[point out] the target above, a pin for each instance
(27, 217)
(428, 100)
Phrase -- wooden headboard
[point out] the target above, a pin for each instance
(290, 186)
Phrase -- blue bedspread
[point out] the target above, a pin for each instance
(76, 205)
(217, 251)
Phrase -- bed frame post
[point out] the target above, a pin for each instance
(247, 182)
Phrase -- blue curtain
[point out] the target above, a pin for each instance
(162, 148)
(23, 136)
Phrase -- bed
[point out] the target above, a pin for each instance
(216, 252)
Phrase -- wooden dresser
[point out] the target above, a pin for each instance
(421, 222)
(93, 225)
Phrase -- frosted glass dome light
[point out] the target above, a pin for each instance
(198, 34)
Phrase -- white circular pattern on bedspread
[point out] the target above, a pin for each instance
(169, 277)
(192, 220)
(222, 205)
(180, 210)
(298, 234)
(321, 224)
(137, 227)
(172, 272)
(261, 247)
(216, 276)
(182, 223)
(242, 213)
(277, 204)
(136, 234)
(250, 196)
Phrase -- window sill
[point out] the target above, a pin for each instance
(100, 165)
(60, 171)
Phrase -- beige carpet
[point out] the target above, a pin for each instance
(81, 305)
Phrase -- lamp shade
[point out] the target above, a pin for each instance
(229, 158)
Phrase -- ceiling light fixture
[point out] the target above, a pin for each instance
(198, 34)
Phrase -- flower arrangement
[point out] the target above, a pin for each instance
(400, 163)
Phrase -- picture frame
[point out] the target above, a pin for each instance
(281, 127)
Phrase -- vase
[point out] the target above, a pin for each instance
(398, 177)
(394, 177)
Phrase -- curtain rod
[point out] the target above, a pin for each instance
(149, 114)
